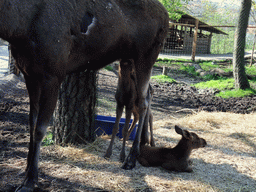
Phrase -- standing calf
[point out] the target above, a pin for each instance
(126, 95)
(174, 159)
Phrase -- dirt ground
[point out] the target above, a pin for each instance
(228, 163)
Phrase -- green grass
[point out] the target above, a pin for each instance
(48, 139)
(189, 69)
(250, 70)
(163, 79)
(236, 93)
(225, 85)
(108, 68)
(207, 65)
(221, 84)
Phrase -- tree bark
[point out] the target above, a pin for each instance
(241, 81)
(73, 120)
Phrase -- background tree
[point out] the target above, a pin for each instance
(75, 111)
(174, 8)
(241, 81)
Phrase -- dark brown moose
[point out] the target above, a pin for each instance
(126, 95)
(173, 159)
(51, 38)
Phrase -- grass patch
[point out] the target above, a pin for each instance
(163, 79)
(108, 68)
(236, 93)
(189, 69)
(221, 84)
(250, 70)
(226, 86)
(48, 139)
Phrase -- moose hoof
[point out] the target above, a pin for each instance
(107, 155)
(129, 164)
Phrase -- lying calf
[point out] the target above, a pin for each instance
(174, 159)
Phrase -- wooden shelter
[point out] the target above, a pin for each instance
(189, 35)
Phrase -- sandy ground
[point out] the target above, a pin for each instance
(4, 57)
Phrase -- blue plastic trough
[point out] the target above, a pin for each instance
(104, 125)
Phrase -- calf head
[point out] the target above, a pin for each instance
(192, 140)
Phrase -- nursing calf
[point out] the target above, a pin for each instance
(173, 159)
(126, 96)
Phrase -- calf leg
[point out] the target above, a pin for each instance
(119, 111)
(125, 132)
(135, 120)
(48, 93)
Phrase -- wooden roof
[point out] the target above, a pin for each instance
(188, 20)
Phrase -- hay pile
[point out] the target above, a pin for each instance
(228, 163)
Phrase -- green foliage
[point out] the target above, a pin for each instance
(173, 6)
(207, 65)
(163, 79)
(222, 44)
(250, 70)
(209, 77)
(108, 68)
(48, 140)
(189, 69)
(236, 93)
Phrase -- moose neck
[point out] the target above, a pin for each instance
(183, 149)
(16, 18)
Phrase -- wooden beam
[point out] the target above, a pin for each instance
(195, 40)
(204, 26)
(181, 24)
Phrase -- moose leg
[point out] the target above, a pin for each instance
(125, 132)
(144, 134)
(143, 77)
(130, 161)
(34, 94)
(119, 111)
(47, 100)
(152, 140)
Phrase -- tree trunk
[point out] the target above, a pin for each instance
(241, 81)
(74, 114)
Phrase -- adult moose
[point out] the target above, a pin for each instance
(50, 38)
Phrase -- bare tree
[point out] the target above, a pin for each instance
(241, 81)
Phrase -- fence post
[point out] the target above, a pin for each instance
(195, 41)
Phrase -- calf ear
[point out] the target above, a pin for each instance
(178, 130)
(182, 132)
